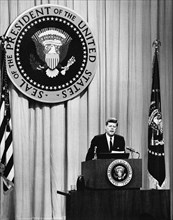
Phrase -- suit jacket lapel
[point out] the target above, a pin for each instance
(116, 143)
(105, 143)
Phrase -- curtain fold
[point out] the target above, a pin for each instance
(51, 140)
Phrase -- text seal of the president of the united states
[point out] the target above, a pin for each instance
(50, 53)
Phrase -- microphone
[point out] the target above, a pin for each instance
(131, 149)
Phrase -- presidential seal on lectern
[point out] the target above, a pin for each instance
(119, 172)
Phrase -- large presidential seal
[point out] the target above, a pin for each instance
(119, 172)
(50, 53)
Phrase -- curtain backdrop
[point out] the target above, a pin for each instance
(51, 140)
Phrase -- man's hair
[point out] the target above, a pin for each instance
(112, 120)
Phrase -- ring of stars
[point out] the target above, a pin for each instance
(28, 78)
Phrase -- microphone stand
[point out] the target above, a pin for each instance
(133, 151)
(138, 154)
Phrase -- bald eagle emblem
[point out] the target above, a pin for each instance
(155, 119)
(51, 47)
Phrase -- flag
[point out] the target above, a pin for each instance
(6, 142)
(156, 155)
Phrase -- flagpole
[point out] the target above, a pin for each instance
(156, 44)
(6, 142)
(3, 39)
(156, 155)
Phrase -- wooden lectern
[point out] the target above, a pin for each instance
(103, 200)
(95, 174)
(118, 204)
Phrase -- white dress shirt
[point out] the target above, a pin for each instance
(108, 140)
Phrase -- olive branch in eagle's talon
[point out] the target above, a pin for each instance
(69, 63)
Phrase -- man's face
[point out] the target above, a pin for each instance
(111, 128)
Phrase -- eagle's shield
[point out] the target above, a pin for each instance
(52, 60)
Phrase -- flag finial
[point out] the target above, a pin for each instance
(156, 44)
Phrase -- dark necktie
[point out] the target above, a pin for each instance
(110, 144)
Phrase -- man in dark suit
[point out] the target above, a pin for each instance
(107, 142)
